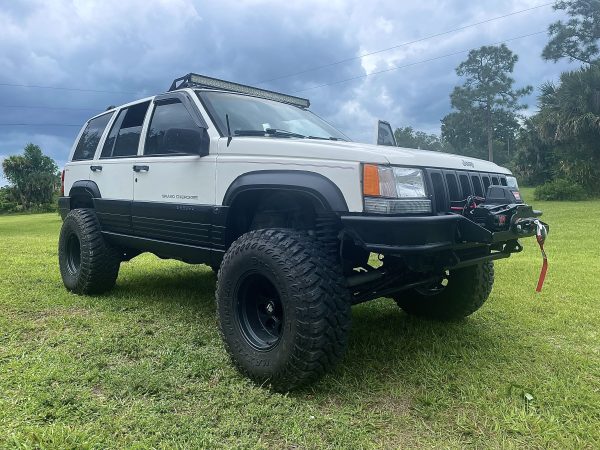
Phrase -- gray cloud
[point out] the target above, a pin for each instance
(138, 47)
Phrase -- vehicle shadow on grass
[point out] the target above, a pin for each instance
(387, 348)
(390, 350)
(192, 287)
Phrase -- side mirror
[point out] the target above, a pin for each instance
(385, 134)
(186, 140)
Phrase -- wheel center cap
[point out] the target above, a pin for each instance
(270, 307)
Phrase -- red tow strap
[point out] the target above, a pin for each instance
(541, 237)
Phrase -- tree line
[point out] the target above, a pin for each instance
(561, 141)
(34, 181)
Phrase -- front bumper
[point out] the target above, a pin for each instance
(398, 235)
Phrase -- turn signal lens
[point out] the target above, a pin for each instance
(370, 180)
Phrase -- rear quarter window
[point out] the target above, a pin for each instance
(124, 137)
(90, 138)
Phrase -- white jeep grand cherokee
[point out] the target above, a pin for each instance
(288, 211)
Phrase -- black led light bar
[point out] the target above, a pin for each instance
(193, 80)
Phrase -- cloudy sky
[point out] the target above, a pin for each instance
(108, 52)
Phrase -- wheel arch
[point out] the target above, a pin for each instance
(319, 187)
(83, 193)
(250, 192)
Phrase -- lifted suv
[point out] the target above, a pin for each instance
(288, 211)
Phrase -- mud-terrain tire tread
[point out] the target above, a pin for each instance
(321, 303)
(468, 289)
(100, 261)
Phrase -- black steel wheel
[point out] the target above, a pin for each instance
(283, 308)
(260, 311)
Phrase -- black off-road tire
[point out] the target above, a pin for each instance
(308, 292)
(467, 290)
(88, 264)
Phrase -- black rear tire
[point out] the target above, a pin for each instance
(283, 308)
(88, 264)
(466, 291)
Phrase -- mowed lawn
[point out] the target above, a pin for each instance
(144, 366)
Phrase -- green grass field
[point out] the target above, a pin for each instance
(144, 366)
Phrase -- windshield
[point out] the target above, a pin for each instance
(252, 116)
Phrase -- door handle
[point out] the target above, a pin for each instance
(137, 168)
(96, 168)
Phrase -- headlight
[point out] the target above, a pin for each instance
(512, 182)
(394, 190)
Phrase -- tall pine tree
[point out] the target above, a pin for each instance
(486, 98)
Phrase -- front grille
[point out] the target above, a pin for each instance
(448, 186)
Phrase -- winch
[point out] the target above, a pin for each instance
(502, 209)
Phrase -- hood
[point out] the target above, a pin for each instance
(354, 151)
(426, 158)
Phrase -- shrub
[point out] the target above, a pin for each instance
(7, 204)
(6, 207)
(560, 190)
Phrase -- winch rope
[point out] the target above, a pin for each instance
(541, 238)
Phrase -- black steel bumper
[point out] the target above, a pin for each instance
(426, 234)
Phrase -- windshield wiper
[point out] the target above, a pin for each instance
(330, 138)
(268, 132)
(248, 132)
(278, 132)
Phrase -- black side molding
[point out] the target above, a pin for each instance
(192, 254)
(314, 184)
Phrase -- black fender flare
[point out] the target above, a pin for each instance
(314, 184)
(85, 187)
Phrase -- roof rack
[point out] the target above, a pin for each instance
(193, 80)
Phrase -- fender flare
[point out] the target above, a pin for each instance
(314, 184)
(85, 187)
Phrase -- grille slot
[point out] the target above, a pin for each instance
(465, 185)
(453, 189)
(486, 182)
(439, 191)
(477, 187)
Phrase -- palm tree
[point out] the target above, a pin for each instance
(569, 119)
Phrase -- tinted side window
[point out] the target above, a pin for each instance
(86, 147)
(124, 136)
(169, 119)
